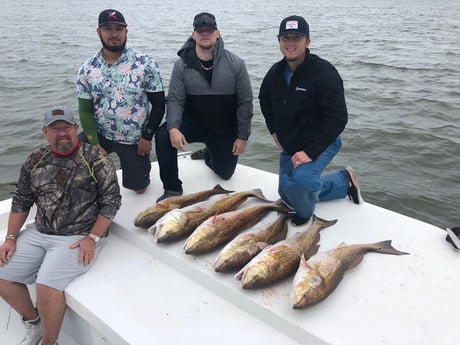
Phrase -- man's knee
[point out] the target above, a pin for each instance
(224, 173)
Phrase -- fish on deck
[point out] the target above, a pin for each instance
(282, 259)
(239, 251)
(149, 216)
(179, 223)
(221, 228)
(317, 277)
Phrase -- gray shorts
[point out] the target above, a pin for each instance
(45, 259)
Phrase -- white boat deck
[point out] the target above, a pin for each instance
(141, 292)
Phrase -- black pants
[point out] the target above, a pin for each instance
(219, 156)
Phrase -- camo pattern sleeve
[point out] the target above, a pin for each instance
(69, 192)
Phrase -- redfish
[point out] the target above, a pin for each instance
(179, 223)
(221, 228)
(244, 247)
(282, 259)
(149, 216)
(317, 277)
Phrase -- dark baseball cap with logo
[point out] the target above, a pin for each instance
(111, 16)
(58, 113)
(204, 20)
(294, 25)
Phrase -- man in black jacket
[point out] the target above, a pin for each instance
(303, 102)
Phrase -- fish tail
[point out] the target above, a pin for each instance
(281, 206)
(257, 193)
(323, 222)
(385, 247)
(220, 190)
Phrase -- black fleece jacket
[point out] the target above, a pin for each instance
(310, 113)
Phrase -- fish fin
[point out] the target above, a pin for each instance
(221, 190)
(385, 247)
(262, 245)
(281, 235)
(311, 251)
(304, 262)
(240, 274)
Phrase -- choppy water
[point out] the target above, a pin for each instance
(400, 61)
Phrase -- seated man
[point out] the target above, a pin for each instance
(76, 192)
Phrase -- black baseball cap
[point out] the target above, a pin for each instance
(111, 16)
(204, 20)
(294, 25)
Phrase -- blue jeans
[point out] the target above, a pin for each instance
(219, 156)
(303, 187)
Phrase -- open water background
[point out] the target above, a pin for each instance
(399, 59)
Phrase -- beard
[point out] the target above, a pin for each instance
(63, 148)
(112, 48)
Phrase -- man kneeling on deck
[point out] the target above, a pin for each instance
(76, 192)
(303, 102)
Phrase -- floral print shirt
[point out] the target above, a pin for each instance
(119, 93)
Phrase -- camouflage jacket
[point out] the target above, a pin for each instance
(69, 192)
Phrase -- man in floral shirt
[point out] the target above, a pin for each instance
(114, 89)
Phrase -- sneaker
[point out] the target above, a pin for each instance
(298, 221)
(199, 154)
(33, 332)
(354, 192)
(168, 193)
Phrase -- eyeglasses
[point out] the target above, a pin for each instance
(294, 38)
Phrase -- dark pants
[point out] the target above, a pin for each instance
(219, 156)
(135, 169)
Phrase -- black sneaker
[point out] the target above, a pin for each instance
(354, 192)
(199, 154)
(298, 221)
(168, 193)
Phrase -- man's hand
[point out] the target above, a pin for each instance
(300, 158)
(239, 146)
(275, 139)
(7, 250)
(87, 250)
(177, 139)
(144, 147)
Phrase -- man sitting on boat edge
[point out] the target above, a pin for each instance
(76, 191)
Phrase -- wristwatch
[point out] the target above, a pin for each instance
(94, 237)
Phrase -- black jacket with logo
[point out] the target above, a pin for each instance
(310, 113)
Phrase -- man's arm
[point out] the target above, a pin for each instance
(244, 100)
(87, 120)
(158, 102)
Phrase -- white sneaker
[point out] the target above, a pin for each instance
(33, 333)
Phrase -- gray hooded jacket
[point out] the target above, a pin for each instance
(224, 106)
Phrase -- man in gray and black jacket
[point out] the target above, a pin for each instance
(209, 101)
